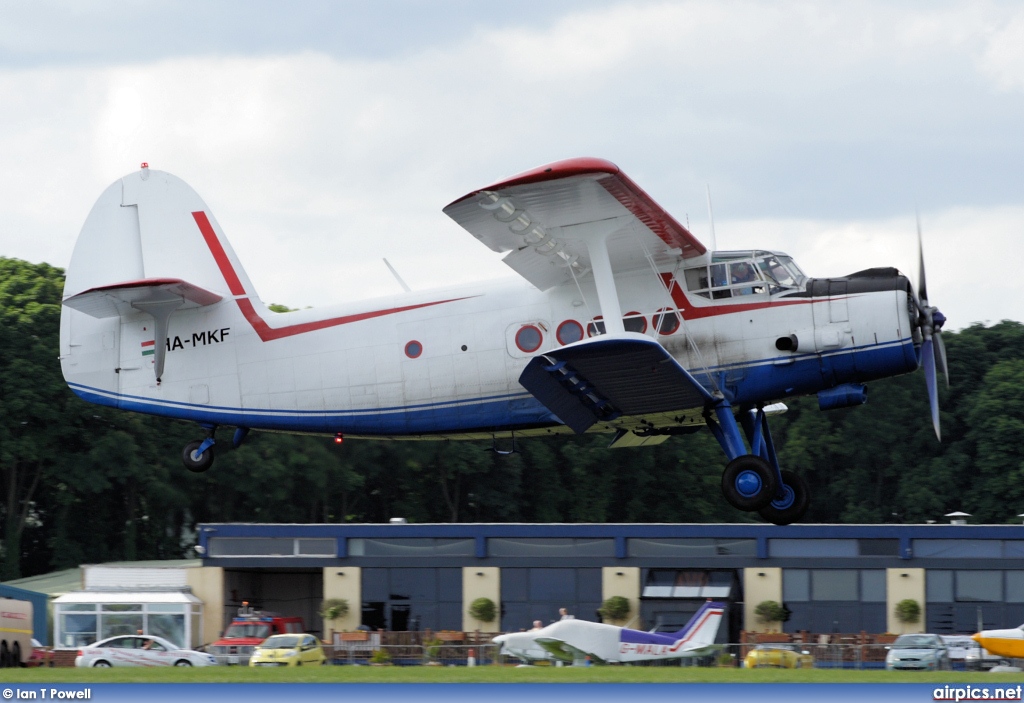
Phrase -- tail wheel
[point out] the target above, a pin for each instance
(748, 483)
(792, 505)
(196, 463)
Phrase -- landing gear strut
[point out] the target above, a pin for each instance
(753, 481)
(197, 456)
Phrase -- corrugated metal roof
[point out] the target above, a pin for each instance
(128, 597)
(57, 583)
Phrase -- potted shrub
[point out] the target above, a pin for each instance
(908, 611)
(614, 608)
(333, 609)
(770, 611)
(483, 609)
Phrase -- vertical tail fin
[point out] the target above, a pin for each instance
(144, 227)
(702, 628)
(151, 248)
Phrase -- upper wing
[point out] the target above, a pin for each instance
(544, 217)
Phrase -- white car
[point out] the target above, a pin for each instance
(140, 650)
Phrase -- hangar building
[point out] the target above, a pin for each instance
(833, 578)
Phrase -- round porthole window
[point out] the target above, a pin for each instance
(634, 322)
(528, 338)
(666, 320)
(568, 332)
(413, 349)
(595, 326)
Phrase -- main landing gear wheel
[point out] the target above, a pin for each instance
(792, 506)
(748, 483)
(196, 463)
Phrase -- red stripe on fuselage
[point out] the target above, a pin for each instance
(689, 312)
(265, 331)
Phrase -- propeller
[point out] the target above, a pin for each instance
(933, 350)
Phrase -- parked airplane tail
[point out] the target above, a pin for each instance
(148, 249)
(702, 628)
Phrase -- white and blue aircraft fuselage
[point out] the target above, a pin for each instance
(624, 324)
(574, 640)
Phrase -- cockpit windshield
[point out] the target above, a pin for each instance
(739, 273)
(781, 269)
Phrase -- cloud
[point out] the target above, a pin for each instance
(826, 123)
(1003, 58)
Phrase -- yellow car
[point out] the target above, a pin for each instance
(288, 650)
(783, 656)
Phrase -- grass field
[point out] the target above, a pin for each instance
(492, 674)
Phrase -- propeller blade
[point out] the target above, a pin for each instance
(922, 288)
(928, 362)
(940, 355)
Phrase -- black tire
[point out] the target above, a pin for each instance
(196, 465)
(183, 662)
(5, 656)
(101, 664)
(793, 507)
(756, 474)
(16, 655)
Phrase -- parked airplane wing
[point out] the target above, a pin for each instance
(561, 649)
(606, 377)
(545, 217)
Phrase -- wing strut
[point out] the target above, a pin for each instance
(604, 278)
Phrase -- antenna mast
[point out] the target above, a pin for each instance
(711, 219)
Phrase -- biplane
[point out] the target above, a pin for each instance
(623, 323)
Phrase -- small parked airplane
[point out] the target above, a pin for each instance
(575, 640)
(159, 317)
(1003, 643)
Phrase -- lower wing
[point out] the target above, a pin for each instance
(560, 649)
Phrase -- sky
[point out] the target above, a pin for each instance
(326, 136)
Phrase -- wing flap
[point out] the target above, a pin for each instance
(544, 218)
(119, 299)
(606, 377)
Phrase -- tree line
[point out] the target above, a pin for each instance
(86, 484)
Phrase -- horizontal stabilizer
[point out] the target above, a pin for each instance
(601, 379)
(119, 299)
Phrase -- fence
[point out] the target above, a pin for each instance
(431, 654)
(818, 656)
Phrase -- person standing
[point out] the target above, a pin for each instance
(565, 614)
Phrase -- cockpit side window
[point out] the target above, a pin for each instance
(726, 279)
(697, 281)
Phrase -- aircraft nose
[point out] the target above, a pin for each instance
(976, 637)
(500, 639)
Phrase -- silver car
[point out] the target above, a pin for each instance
(923, 652)
(139, 650)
